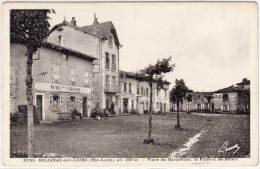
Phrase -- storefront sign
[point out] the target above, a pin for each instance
(62, 88)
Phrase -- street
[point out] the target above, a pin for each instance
(123, 136)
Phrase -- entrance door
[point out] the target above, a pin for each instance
(107, 103)
(39, 106)
(125, 105)
(85, 107)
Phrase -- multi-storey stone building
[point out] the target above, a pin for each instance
(100, 41)
(61, 81)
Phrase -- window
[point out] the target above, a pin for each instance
(107, 61)
(130, 88)
(60, 40)
(113, 62)
(142, 91)
(225, 97)
(55, 101)
(72, 75)
(125, 84)
(114, 80)
(107, 80)
(110, 40)
(86, 77)
(147, 92)
(158, 105)
(36, 55)
(71, 102)
(158, 90)
(55, 72)
(138, 88)
(65, 56)
(132, 104)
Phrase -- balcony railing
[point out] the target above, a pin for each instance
(113, 88)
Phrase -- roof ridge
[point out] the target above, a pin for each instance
(66, 23)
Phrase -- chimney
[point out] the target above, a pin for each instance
(95, 22)
(73, 21)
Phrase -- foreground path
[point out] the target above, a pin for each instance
(187, 146)
(228, 136)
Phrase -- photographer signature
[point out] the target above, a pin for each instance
(224, 148)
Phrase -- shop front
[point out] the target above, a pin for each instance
(56, 102)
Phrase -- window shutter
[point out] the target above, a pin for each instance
(77, 101)
(50, 101)
(61, 100)
(57, 72)
(86, 77)
(72, 75)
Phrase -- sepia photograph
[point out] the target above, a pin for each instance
(123, 82)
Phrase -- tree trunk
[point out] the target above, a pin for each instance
(178, 126)
(150, 112)
(29, 82)
(178, 117)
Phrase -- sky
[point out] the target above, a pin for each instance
(208, 42)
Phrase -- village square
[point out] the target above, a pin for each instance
(71, 97)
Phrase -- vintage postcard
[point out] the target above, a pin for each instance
(147, 84)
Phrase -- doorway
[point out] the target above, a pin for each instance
(125, 105)
(39, 106)
(85, 106)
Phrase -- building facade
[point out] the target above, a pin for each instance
(62, 81)
(100, 41)
(135, 95)
(229, 99)
(78, 68)
(199, 101)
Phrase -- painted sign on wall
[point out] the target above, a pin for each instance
(62, 88)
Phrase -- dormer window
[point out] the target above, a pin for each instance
(60, 40)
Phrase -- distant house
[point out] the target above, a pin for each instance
(199, 101)
(226, 99)
(244, 96)
(229, 99)
(135, 94)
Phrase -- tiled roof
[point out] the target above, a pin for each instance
(244, 82)
(68, 51)
(229, 89)
(137, 76)
(65, 23)
(102, 29)
(61, 49)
